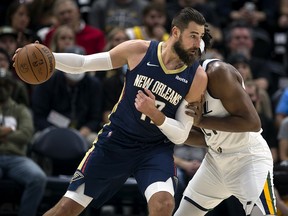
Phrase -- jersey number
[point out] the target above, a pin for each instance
(160, 106)
(205, 112)
(209, 134)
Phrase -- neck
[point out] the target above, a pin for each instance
(169, 57)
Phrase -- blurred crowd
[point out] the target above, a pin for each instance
(251, 35)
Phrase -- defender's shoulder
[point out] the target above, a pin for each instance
(220, 70)
(220, 66)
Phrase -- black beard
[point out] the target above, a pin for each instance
(183, 55)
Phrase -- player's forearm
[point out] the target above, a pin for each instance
(177, 130)
(74, 63)
(231, 123)
(157, 117)
(196, 138)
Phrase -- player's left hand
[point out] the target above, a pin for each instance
(195, 110)
(145, 103)
(17, 51)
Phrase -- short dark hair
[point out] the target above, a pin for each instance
(185, 16)
(188, 14)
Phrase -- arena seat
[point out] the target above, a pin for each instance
(11, 193)
(59, 151)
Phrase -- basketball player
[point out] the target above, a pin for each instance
(133, 143)
(238, 161)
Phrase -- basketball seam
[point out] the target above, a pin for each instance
(44, 57)
(31, 65)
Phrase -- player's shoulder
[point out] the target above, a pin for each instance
(220, 68)
(215, 64)
(138, 44)
(222, 72)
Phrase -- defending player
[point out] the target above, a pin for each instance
(239, 161)
(133, 143)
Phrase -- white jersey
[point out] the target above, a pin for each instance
(221, 141)
(238, 164)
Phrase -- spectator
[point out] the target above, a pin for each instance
(260, 96)
(8, 40)
(116, 36)
(67, 13)
(62, 38)
(114, 80)
(154, 23)
(283, 141)
(16, 130)
(75, 100)
(19, 92)
(3, 8)
(187, 160)
(212, 53)
(261, 101)
(255, 13)
(45, 19)
(107, 14)
(239, 39)
(281, 204)
(18, 18)
(279, 34)
(241, 63)
(281, 110)
(41, 13)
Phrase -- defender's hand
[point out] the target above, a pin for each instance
(195, 110)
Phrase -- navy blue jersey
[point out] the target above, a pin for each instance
(169, 87)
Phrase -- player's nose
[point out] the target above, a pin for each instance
(198, 42)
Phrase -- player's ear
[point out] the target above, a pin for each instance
(175, 32)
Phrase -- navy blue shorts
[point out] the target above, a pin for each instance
(108, 164)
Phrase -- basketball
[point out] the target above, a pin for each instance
(34, 63)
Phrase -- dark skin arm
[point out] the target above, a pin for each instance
(196, 138)
(224, 83)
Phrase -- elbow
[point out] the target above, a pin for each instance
(257, 128)
(255, 125)
(180, 140)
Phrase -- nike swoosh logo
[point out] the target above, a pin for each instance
(166, 141)
(152, 65)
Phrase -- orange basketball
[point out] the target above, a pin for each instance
(34, 63)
